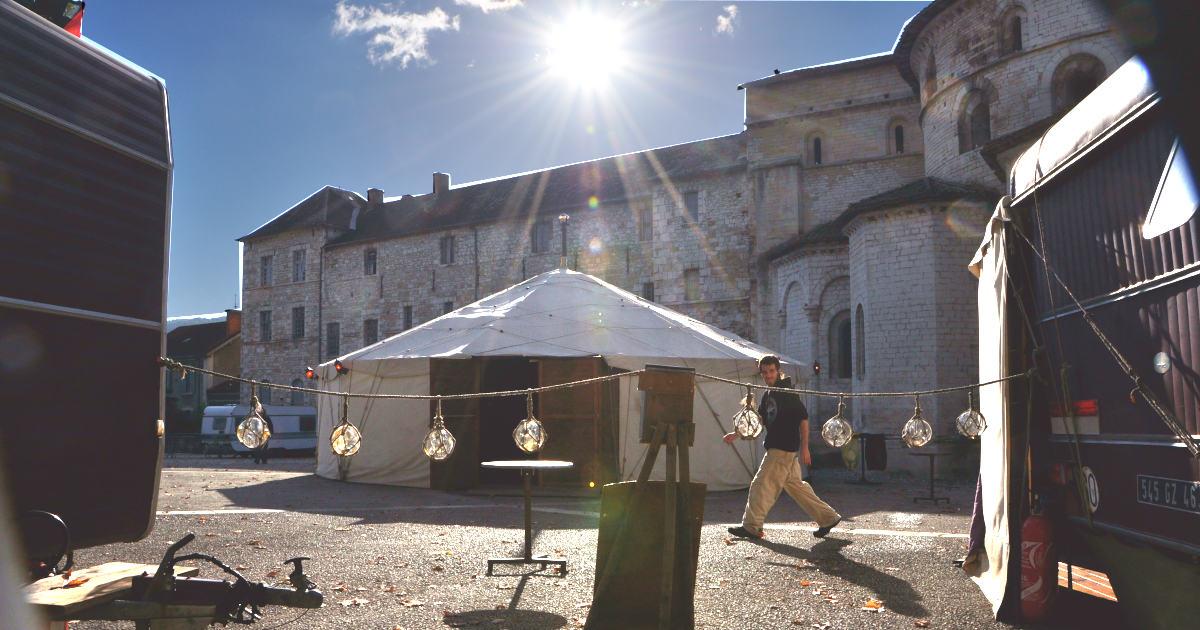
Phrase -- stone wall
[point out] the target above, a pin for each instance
(964, 43)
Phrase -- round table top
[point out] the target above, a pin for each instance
(528, 463)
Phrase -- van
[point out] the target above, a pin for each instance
(295, 428)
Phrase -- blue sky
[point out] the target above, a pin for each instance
(271, 100)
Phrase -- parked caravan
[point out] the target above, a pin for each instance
(295, 428)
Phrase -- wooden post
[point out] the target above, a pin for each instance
(669, 526)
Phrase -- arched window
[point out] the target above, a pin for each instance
(895, 139)
(860, 345)
(1074, 79)
(1011, 27)
(975, 122)
(929, 85)
(817, 156)
(298, 397)
(840, 346)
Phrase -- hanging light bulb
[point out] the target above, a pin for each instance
(746, 422)
(530, 435)
(253, 432)
(970, 422)
(345, 438)
(837, 431)
(916, 432)
(439, 444)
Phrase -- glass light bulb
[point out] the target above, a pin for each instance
(916, 432)
(971, 423)
(747, 423)
(836, 431)
(530, 435)
(253, 432)
(345, 440)
(439, 444)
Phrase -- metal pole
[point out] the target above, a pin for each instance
(562, 222)
(526, 474)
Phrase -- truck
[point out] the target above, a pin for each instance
(85, 198)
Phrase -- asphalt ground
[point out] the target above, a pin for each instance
(388, 557)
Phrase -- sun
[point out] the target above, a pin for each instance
(586, 49)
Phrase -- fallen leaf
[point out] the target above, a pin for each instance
(389, 589)
(361, 589)
(412, 603)
(873, 605)
(76, 582)
(921, 623)
(805, 583)
(273, 573)
(209, 535)
(437, 568)
(729, 541)
(254, 542)
(341, 529)
(241, 567)
(340, 586)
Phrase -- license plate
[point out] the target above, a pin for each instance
(1175, 494)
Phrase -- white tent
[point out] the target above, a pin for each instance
(556, 315)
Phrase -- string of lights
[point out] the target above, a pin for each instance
(530, 434)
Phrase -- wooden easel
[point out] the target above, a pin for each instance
(623, 603)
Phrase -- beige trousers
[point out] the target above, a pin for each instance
(779, 472)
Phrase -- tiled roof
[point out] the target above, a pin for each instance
(922, 190)
(835, 67)
(195, 340)
(328, 206)
(547, 192)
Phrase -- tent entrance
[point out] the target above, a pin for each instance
(581, 422)
(499, 416)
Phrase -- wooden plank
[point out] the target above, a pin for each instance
(105, 582)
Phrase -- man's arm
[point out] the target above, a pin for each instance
(805, 456)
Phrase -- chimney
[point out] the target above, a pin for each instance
(441, 182)
(374, 197)
(233, 322)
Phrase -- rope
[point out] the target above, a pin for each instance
(909, 394)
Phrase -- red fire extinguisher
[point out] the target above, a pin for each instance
(1039, 567)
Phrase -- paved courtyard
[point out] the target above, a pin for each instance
(389, 557)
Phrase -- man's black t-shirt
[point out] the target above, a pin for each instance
(782, 413)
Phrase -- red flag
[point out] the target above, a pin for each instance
(75, 25)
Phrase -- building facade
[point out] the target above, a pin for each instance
(836, 227)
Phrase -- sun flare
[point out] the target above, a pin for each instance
(586, 49)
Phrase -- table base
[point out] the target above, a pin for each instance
(561, 563)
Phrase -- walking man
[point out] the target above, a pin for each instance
(786, 421)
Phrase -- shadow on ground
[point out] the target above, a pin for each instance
(897, 594)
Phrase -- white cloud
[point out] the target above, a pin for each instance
(727, 19)
(488, 6)
(399, 37)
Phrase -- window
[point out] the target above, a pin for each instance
(975, 122)
(408, 317)
(645, 222)
(839, 345)
(543, 231)
(447, 307)
(447, 250)
(860, 347)
(1011, 25)
(333, 339)
(217, 424)
(264, 326)
(298, 322)
(816, 151)
(298, 397)
(265, 275)
(1074, 79)
(691, 284)
(898, 138)
(929, 86)
(369, 260)
(648, 291)
(298, 257)
(370, 331)
(1175, 201)
(691, 201)
(308, 424)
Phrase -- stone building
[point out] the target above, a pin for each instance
(836, 227)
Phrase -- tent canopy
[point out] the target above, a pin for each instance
(558, 314)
